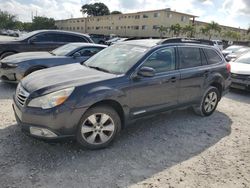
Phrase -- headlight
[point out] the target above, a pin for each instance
(52, 99)
(12, 65)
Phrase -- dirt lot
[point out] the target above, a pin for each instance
(177, 149)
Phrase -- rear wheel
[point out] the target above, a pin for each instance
(98, 127)
(5, 54)
(209, 102)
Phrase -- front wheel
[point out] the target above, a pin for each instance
(98, 127)
(209, 102)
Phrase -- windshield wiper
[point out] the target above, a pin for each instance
(99, 68)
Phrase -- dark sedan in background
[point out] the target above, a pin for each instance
(41, 40)
(14, 67)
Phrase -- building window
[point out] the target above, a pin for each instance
(145, 16)
(183, 18)
(78, 21)
(125, 16)
(128, 27)
(155, 27)
(157, 14)
(169, 15)
(78, 28)
(82, 20)
(129, 16)
(117, 27)
(136, 27)
(97, 28)
(144, 27)
(137, 17)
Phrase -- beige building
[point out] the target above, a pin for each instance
(222, 34)
(139, 24)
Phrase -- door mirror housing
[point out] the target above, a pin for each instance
(146, 72)
(77, 54)
(32, 40)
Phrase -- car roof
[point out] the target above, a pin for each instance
(61, 31)
(80, 44)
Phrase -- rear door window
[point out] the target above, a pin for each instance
(189, 57)
(212, 56)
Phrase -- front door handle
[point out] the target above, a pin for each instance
(173, 79)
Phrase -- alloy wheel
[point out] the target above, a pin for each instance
(210, 102)
(98, 128)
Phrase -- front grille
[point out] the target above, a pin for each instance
(21, 95)
(240, 76)
(3, 65)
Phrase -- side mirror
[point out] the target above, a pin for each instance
(146, 72)
(32, 40)
(77, 54)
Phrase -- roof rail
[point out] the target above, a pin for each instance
(187, 40)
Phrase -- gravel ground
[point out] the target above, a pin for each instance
(177, 149)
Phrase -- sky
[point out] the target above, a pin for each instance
(235, 13)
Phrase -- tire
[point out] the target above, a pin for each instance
(33, 70)
(92, 133)
(208, 103)
(5, 54)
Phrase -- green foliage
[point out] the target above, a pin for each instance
(42, 23)
(211, 28)
(232, 35)
(96, 9)
(176, 29)
(162, 31)
(116, 12)
(9, 21)
(189, 30)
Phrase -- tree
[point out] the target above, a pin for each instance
(40, 22)
(232, 35)
(7, 21)
(176, 29)
(162, 30)
(96, 9)
(213, 26)
(116, 12)
(204, 30)
(188, 30)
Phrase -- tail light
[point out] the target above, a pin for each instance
(228, 67)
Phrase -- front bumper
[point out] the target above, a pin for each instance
(9, 75)
(241, 82)
(62, 121)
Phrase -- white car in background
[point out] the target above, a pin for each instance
(240, 72)
(218, 44)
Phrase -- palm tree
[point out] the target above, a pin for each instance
(162, 30)
(213, 26)
(176, 29)
(204, 30)
(188, 30)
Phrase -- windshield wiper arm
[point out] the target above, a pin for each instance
(99, 68)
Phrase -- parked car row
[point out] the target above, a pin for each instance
(234, 51)
(90, 92)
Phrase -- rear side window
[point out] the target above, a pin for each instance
(212, 56)
(189, 57)
(71, 38)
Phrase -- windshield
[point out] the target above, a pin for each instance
(27, 35)
(65, 49)
(117, 59)
(244, 59)
(242, 50)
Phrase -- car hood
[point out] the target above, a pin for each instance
(226, 51)
(240, 68)
(25, 56)
(60, 77)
